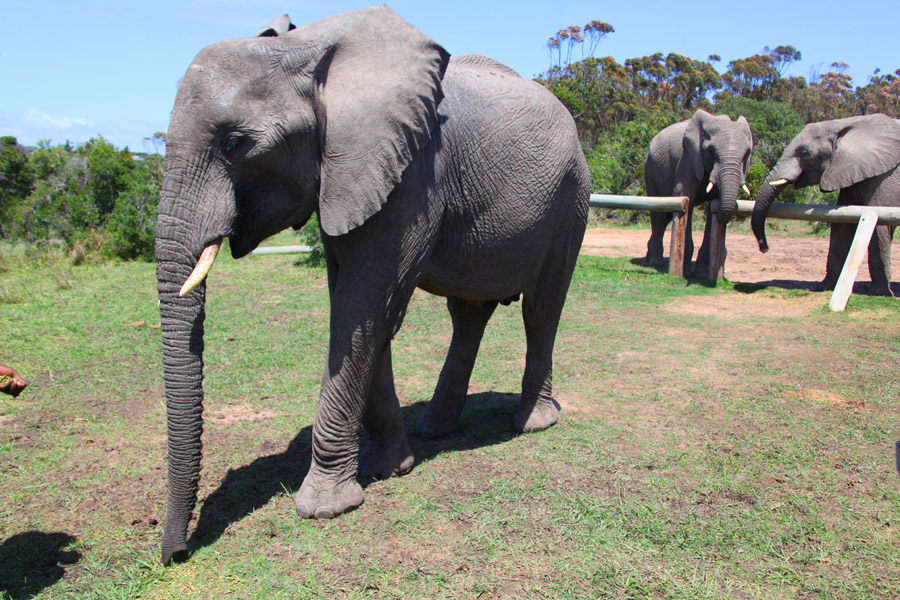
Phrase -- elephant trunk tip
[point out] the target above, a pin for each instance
(763, 245)
(174, 554)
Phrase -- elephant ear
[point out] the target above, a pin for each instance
(379, 86)
(865, 147)
(743, 123)
(692, 145)
(279, 26)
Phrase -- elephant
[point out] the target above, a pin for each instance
(856, 155)
(455, 176)
(703, 157)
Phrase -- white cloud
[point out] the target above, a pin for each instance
(42, 119)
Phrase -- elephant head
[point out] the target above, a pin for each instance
(716, 150)
(265, 131)
(834, 154)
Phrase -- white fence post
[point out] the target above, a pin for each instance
(844, 286)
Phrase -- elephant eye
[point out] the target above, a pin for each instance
(233, 142)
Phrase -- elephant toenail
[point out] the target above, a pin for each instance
(324, 512)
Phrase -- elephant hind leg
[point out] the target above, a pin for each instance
(541, 310)
(441, 416)
(385, 452)
(537, 409)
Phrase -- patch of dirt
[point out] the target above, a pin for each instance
(790, 263)
(828, 397)
(746, 305)
(227, 416)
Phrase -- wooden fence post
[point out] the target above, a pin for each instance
(844, 286)
(716, 248)
(679, 235)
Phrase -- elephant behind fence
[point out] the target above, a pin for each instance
(859, 156)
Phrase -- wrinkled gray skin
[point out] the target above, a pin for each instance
(457, 176)
(683, 159)
(858, 156)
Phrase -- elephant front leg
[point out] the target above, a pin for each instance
(701, 268)
(385, 452)
(880, 260)
(688, 269)
(367, 308)
(838, 248)
(441, 416)
(659, 221)
(330, 487)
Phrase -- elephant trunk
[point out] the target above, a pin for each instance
(182, 332)
(762, 203)
(729, 179)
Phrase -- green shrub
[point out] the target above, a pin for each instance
(131, 228)
(311, 235)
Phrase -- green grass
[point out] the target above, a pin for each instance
(715, 442)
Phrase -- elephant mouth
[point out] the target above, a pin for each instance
(808, 178)
(240, 246)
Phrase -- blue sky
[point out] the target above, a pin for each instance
(73, 70)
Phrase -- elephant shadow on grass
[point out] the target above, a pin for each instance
(33, 561)
(663, 269)
(486, 420)
(861, 288)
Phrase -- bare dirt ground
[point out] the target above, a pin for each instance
(791, 262)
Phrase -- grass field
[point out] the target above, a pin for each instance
(714, 443)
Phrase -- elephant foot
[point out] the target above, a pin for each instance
(825, 285)
(655, 261)
(541, 415)
(435, 423)
(382, 460)
(880, 290)
(701, 271)
(325, 499)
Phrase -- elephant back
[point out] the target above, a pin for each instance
(477, 60)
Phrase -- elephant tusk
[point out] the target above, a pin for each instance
(779, 182)
(204, 264)
(709, 187)
(746, 189)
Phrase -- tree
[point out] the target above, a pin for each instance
(881, 94)
(783, 57)
(774, 125)
(573, 36)
(752, 77)
(16, 181)
(831, 96)
(617, 160)
(107, 171)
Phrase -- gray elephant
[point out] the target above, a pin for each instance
(457, 176)
(858, 156)
(704, 157)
